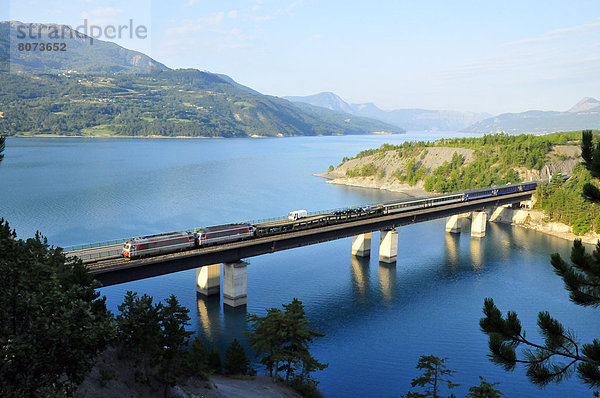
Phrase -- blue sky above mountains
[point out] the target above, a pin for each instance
(466, 55)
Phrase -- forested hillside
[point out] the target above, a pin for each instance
(104, 89)
(463, 163)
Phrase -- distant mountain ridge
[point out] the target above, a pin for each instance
(411, 119)
(105, 89)
(327, 100)
(79, 55)
(586, 104)
(583, 115)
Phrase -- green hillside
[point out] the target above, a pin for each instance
(171, 103)
(82, 53)
(104, 89)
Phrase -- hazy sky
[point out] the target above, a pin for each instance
(483, 56)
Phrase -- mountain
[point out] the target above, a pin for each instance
(411, 119)
(421, 119)
(583, 115)
(105, 89)
(325, 100)
(81, 53)
(586, 104)
(363, 123)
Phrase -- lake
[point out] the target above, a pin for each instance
(378, 319)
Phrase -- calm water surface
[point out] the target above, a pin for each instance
(378, 319)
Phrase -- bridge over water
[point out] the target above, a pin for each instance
(105, 262)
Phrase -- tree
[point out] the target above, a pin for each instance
(197, 359)
(2, 146)
(236, 362)
(282, 340)
(154, 336)
(214, 360)
(174, 318)
(139, 330)
(435, 373)
(297, 337)
(542, 360)
(53, 322)
(592, 192)
(485, 389)
(587, 145)
(595, 165)
(267, 338)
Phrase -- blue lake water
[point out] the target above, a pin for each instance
(378, 319)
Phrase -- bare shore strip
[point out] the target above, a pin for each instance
(117, 136)
(534, 220)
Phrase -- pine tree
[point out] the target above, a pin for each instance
(543, 360)
(53, 322)
(267, 338)
(282, 339)
(214, 360)
(435, 372)
(236, 362)
(297, 337)
(485, 389)
(197, 359)
(587, 146)
(174, 318)
(591, 192)
(595, 165)
(139, 330)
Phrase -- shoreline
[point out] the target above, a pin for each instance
(375, 133)
(533, 219)
(110, 136)
(415, 191)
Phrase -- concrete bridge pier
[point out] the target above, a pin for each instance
(361, 245)
(208, 279)
(478, 223)
(453, 224)
(388, 246)
(235, 283)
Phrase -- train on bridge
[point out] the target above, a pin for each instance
(298, 220)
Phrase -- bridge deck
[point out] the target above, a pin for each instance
(123, 270)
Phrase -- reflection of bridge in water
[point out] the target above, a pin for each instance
(233, 277)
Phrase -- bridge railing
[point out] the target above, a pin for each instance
(256, 221)
(261, 220)
(101, 255)
(95, 244)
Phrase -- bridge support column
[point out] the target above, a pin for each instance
(453, 224)
(235, 283)
(361, 245)
(208, 279)
(388, 246)
(478, 224)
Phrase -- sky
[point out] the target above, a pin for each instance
(479, 56)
